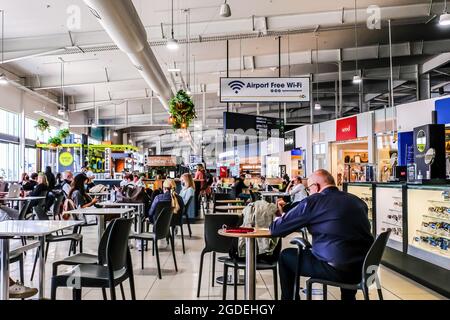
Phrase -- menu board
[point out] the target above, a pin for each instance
(253, 125)
(161, 161)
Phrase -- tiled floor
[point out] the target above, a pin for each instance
(183, 285)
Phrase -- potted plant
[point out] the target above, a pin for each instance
(43, 125)
(63, 133)
(182, 110)
(55, 142)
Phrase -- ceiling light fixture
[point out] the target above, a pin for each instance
(317, 106)
(225, 10)
(172, 43)
(115, 134)
(174, 70)
(444, 19)
(52, 117)
(61, 112)
(357, 78)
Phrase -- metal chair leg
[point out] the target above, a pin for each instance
(200, 273)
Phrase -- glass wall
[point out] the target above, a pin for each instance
(9, 123)
(30, 160)
(9, 161)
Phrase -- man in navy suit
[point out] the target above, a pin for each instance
(341, 236)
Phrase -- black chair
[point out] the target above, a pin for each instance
(177, 221)
(186, 215)
(220, 196)
(75, 237)
(57, 206)
(369, 270)
(214, 242)
(161, 230)
(114, 270)
(260, 266)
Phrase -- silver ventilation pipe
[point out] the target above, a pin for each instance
(121, 21)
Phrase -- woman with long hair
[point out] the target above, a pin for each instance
(169, 197)
(78, 193)
(188, 193)
(51, 180)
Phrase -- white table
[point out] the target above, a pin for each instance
(139, 207)
(21, 200)
(271, 194)
(101, 213)
(102, 195)
(21, 228)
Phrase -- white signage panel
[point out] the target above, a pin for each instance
(265, 89)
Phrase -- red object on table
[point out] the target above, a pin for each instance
(240, 230)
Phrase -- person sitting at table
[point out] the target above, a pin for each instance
(78, 193)
(296, 191)
(67, 181)
(341, 236)
(188, 193)
(239, 187)
(51, 180)
(24, 179)
(169, 196)
(18, 291)
(31, 183)
(264, 186)
(39, 190)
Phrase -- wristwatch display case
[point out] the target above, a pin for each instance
(365, 193)
(429, 224)
(389, 204)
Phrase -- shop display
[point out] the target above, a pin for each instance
(364, 192)
(390, 214)
(386, 156)
(429, 224)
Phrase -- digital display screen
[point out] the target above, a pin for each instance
(254, 125)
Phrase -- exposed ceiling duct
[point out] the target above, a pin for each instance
(121, 21)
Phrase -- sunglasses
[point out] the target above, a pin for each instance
(439, 242)
(395, 217)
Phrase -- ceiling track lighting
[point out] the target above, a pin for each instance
(317, 105)
(172, 43)
(444, 19)
(357, 79)
(115, 134)
(225, 10)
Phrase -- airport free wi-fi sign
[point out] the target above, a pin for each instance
(265, 89)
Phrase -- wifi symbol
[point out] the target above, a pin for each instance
(236, 86)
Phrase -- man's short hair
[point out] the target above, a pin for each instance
(327, 177)
(34, 176)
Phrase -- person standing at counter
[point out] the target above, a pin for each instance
(341, 236)
(188, 193)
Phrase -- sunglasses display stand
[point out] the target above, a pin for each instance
(389, 206)
(365, 193)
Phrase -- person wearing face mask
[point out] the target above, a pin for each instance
(78, 193)
(341, 236)
(188, 192)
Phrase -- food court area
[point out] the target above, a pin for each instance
(224, 150)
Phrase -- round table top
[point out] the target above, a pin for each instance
(230, 208)
(230, 201)
(258, 233)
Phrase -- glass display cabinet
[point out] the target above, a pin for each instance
(429, 224)
(390, 213)
(365, 193)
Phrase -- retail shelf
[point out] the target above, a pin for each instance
(433, 234)
(431, 249)
(440, 202)
(395, 210)
(399, 224)
(435, 217)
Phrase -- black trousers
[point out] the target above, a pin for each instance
(313, 268)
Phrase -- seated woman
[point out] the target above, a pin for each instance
(169, 196)
(78, 193)
(188, 193)
(39, 190)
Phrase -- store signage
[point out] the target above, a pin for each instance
(223, 172)
(346, 129)
(264, 89)
(108, 160)
(66, 160)
(161, 161)
(253, 125)
(289, 141)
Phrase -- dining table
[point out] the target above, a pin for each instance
(11, 229)
(273, 194)
(230, 208)
(138, 207)
(100, 213)
(22, 200)
(250, 256)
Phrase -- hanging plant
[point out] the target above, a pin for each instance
(43, 125)
(55, 142)
(182, 110)
(63, 133)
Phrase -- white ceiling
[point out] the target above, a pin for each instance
(38, 26)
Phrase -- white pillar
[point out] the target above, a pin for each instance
(22, 136)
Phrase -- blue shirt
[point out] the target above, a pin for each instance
(165, 197)
(338, 223)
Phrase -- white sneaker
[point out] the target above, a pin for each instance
(19, 291)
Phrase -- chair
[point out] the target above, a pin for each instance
(186, 215)
(214, 242)
(260, 266)
(161, 230)
(177, 221)
(75, 238)
(369, 270)
(112, 270)
(57, 205)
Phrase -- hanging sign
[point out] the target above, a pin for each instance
(264, 89)
(346, 129)
(65, 159)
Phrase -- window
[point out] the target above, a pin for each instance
(30, 129)
(9, 162)
(30, 160)
(9, 123)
